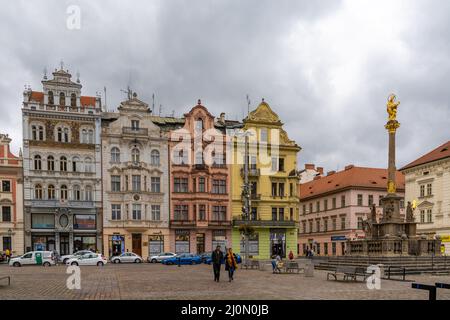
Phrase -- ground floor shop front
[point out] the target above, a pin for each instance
(199, 241)
(145, 243)
(265, 243)
(326, 244)
(11, 238)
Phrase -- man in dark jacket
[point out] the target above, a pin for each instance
(217, 257)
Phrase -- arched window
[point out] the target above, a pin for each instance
(62, 99)
(38, 191)
(115, 155)
(34, 133)
(84, 138)
(51, 192)
(73, 100)
(50, 98)
(88, 193)
(135, 155)
(63, 192)
(50, 163)
(41, 133)
(66, 135)
(59, 135)
(63, 163)
(76, 193)
(37, 162)
(155, 157)
(91, 136)
(88, 165)
(75, 162)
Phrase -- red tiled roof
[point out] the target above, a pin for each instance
(441, 152)
(87, 101)
(37, 96)
(353, 177)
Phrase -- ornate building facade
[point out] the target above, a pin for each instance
(200, 207)
(135, 180)
(11, 199)
(273, 178)
(62, 174)
(428, 183)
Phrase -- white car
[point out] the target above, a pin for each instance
(46, 258)
(66, 257)
(88, 259)
(160, 257)
(127, 257)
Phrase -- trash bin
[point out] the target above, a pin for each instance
(39, 258)
(309, 270)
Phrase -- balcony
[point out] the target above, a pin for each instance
(182, 223)
(252, 172)
(135, 131)
(264, 223)
(255, 196)
(200, 167)
(219, 223)
(65, 203)
(137, 224)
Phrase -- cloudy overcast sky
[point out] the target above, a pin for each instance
(326, 67)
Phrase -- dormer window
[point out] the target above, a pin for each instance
(73, 100)
(135, 125)
(50, 98)
(62, 99)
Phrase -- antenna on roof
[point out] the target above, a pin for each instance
(248, 105)
(106, 105)
(128, 92)
(153, 102)
(45, 73)
(160, 109)
(61, 63)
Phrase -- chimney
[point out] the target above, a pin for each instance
(310, 166)
(349, 167)
(329, 173)
(320, 170)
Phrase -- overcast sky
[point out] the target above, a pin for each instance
(326, 67)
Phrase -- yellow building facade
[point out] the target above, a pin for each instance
(274, 202)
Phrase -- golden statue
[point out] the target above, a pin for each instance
(392, 107)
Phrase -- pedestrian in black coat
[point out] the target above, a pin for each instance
(217, 258)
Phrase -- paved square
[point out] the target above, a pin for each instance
(150, 281)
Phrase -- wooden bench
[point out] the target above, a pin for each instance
(349, 273)
(252, 264)
(288, 267)
(6, 277)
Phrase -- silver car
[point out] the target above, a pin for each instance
(127, 257)
(160, 257)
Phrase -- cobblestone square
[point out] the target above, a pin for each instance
(150, 281)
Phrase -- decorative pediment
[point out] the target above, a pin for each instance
(425, 204)
(284, 139)
(134, 104)
(263, 113)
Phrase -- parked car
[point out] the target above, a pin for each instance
(127, 257)
(66, 257)
(46, 258)
(160, 257)
(205, 256)
(208, 260)
(183, 258)
(88, 259)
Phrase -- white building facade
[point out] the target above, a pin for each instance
(62, 167)
(428, 183)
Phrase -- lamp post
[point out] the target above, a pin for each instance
(10, 239)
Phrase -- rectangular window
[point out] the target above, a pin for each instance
(281, 189)
(360, 199)
(422, 216)
(325, 225)
(310, 207)
(181, 212)
(304, 209)
(180, 185)
(219, 186)
(342, 223)
(274, 214)
(370, 200)
(429, 189)
(281, 214)
(135, 124)
(42, 221)
(194, 184)
(156, 212)
(115, 212)
(318, 249)
(291, 189)
(274, 164)
(304, 226)
(6, 186)
(84, 221)
(156, 184)
(333, 203)
(317, 206)
(360, 222)
(115, 183)
(136, 211)
(281, 164)
(380, 199)
(429, 215)
(342, 201)
(325, 205)
(7, 243)
(334, 224)
(201, 184)
(325, 248)
(422, 190)
(202, 212)
(136, 183)
(291, 214)
(317, 225)
(6, 214)
(310, 226)
(274, 189)
(263, 133)
(220, 213)
(333, 248)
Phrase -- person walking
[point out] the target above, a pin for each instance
(8, 254)
(291, 255)
(217, 257)
(230, 264)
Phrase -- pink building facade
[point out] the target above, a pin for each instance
(200, 211)
(333, 207)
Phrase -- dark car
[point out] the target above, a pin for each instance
(208, 260)
(205, 256)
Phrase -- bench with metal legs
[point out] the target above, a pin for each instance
(7, 277)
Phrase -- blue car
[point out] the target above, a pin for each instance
(183, 258)
(208, 260)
